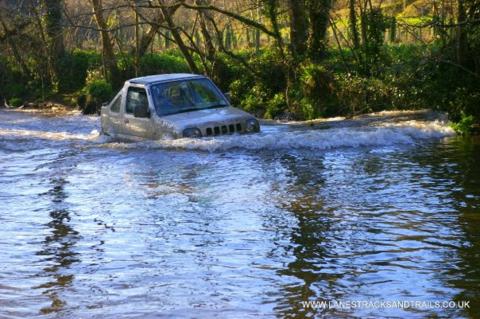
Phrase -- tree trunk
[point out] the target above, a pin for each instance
(319, 11)
(14, 48)
(272, 13)
(363, 26)
(210, 48)
(110, 62)
(257, 31)
(54, 30)
(298, 27)
(149, 36)
(137, 41)
(353, 25)
(461, 47)
(167, 15)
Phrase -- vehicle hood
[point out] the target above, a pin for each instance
(204, 117)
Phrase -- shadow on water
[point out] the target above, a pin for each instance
(309, 238)
(328, 246)
(58, 249)
(466, 273)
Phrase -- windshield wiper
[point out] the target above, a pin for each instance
(203, 108)
(214, 106)
(197, 109)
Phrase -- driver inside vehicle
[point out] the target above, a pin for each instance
(179, 96)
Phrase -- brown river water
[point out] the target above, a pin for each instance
(381, 208)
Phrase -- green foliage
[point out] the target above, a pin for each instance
(74, 68)
(153, 63)
(275, 106)
(15, 89)
(465, 124)
(162, 63)
(316, 88)
(375, 25)
(12, 81)
(270, 85)
(126, 65)
(15, 102)
(3, 80)
(261, 89)
(408, 77)
(99, 90)
(96, 92)
(93, 75)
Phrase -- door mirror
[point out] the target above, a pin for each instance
(141, 111)
(228, 95)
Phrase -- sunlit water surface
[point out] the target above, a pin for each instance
(236, 227)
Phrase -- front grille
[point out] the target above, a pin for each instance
(224, 129)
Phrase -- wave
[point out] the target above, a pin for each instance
(48, 135)
(17, 126)
(383, 135)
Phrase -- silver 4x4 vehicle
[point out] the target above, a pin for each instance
(173, 105)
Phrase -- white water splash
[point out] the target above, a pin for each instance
(384, 135)
(76, 128)
(53, 136)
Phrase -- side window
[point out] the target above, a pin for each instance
(115, 106)
(135, 97)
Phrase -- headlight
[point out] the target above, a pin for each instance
(192, 132)
(252, 126)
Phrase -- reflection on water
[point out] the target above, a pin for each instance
(465, 274)
(90, 229)
(57, 250)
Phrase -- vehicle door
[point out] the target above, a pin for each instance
(137, 126)
(112, 121)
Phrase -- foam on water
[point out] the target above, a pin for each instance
(383, 135)
(81, 129)
(48, 135)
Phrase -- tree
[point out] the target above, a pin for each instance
(353, 24)
(168, 15)
(319, 12)
(109, 60)
(298, 27)
(54, 31)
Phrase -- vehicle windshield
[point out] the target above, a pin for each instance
(184, 96)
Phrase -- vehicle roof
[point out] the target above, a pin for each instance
(163, 77)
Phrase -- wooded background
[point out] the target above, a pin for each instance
(279, 58)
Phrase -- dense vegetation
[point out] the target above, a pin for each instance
(297, 59)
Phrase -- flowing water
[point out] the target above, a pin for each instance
(386, 207)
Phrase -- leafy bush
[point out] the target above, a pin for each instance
(317, 86)
(162, 63)
(126, 65)
(99, 90)
(275, 106)
(15, 102)
(93, 75)
(15, 89)
(259, 89)
(74, 68)
(464, 126)
(254, 100)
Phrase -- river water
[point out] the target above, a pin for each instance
(384, 208)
